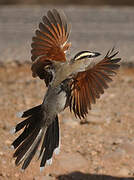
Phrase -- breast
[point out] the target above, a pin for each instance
(62, 73)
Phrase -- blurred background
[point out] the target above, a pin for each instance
(65, 2)
(96, 24)
(100, 146)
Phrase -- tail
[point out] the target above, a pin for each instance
(29, 140)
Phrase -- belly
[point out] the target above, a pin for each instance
(54, 101)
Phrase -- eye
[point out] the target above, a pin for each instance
(47, 67)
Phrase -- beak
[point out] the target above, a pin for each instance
(95, 54)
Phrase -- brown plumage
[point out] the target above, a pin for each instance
(90, 84)
(50, 42)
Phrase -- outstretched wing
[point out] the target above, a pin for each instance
(90, 84)
(50, 42)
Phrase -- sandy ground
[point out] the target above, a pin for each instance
(102, 148)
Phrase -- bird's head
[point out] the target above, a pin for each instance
(83, 60)
(84, 55)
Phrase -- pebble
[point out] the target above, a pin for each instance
(117, 141)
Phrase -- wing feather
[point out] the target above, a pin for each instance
(50, 41)
(90, 84)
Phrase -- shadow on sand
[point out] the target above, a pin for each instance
(81, 176)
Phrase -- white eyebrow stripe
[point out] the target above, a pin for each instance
(84, 55)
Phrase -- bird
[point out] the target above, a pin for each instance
(74, 83)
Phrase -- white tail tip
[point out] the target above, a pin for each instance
(12, 147)
(22, 170)
(49, 162)
(13, 130)
(57, 150)
(19, 114)
(41, 169)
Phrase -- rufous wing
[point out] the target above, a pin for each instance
(87, 86)
(50, 42)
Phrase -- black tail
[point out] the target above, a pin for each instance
(28, 141)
